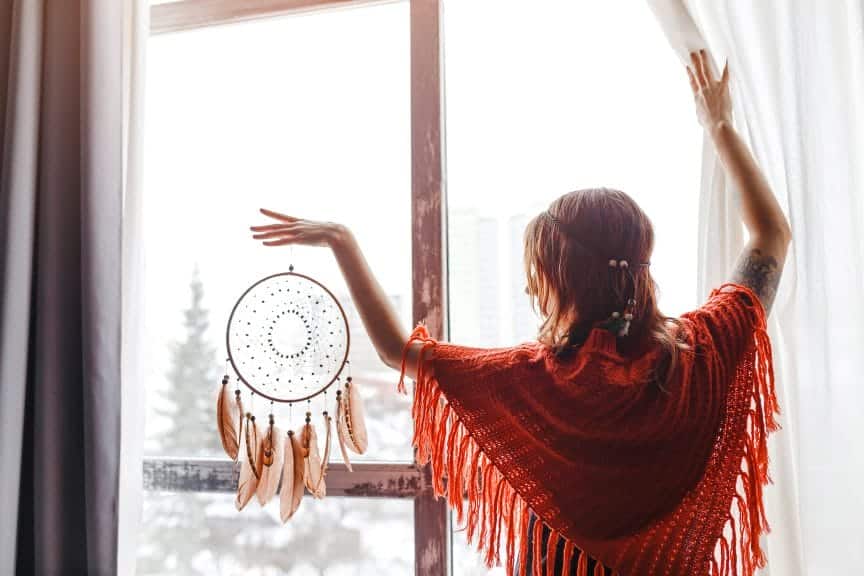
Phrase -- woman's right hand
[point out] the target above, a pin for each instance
(713, 100)
(761, 262)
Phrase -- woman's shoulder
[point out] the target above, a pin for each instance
(728, 321)
(728, 296)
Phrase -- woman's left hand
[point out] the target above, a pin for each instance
(290, 230)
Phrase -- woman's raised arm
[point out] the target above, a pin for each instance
(761, 262)
(378, 316)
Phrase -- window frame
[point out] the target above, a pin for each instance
(432, 542)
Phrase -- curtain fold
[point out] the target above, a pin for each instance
(798, 91)
(20, 63)
(137, 29)
(60, 248)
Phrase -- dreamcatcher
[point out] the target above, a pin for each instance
(287, 342)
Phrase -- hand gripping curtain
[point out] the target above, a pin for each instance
(798, 89)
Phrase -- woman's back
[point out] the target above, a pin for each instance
(614, 459)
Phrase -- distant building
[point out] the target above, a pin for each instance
(523, 320)
(473, 269)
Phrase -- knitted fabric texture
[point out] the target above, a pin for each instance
(647, 479)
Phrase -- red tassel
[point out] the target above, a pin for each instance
(486, 518)
(582, 565)
(497, 516)
(551, 553)
(523, 540)
(567, 557)
(511, 530)
(537, 564)
(454, 482)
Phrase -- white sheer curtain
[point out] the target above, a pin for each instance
(798, 86)
(136, 32)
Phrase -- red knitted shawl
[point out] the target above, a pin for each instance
(646, 478)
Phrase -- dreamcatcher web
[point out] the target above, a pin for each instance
(288, 338)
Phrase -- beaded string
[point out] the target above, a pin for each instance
(619, 322)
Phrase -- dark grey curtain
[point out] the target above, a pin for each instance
(61, 170)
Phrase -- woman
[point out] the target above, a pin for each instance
(637, 440)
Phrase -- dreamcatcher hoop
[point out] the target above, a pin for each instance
(294, 316)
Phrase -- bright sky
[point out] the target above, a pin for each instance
(310, 115)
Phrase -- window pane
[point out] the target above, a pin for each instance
(558, 96)
(197, 534)
(466, 559)
(590, 95)
(308, 115)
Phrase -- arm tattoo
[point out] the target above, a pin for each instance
(760, 273)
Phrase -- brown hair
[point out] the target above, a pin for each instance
(567, 254)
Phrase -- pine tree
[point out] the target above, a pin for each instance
(192, 385)
(187, 406)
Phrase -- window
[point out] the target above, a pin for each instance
(310, 114)
(336, 114)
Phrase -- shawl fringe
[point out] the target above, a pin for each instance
(738, 551)
(496, 515)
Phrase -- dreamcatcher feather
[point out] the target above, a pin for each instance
(248, 482)
(228, 420)
(287, 341)
(341, 433)
(313, 471)
(352, 426)
(292, 477)
(286, 494)
(272, 452)
(253, 445)
(321, 488)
